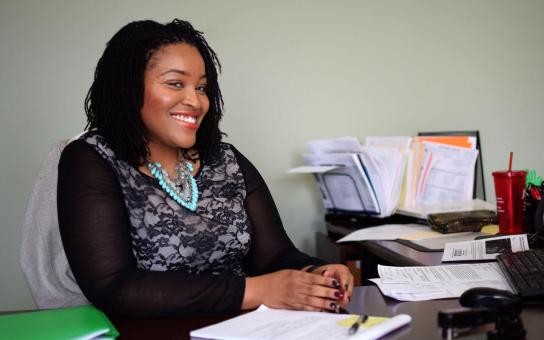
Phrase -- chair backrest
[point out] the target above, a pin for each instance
(42, 256)
(479, 185)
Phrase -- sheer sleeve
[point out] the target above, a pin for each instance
(271, 248)
(94, 227)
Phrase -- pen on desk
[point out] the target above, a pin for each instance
(355, 327)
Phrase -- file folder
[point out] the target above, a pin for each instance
(82, 322)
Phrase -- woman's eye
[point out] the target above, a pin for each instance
(176, 84)
(202, 88)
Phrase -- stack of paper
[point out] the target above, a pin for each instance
(266, 323)
(438, 282)
(356, 178)
(392, 172)
(440, 169)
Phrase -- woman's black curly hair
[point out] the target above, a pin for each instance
(115, 98)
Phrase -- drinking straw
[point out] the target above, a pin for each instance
(510, 162)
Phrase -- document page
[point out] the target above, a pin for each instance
(347, 186)
(485, 249)
(438, 282)
(451, 175)
(266, 323)
(385, 166)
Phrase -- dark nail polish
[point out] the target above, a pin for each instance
(346, 286)
(334, 306)
(335, 284)
(339, 294)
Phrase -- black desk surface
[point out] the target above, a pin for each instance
(365, 300)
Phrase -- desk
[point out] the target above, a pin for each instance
(365, 300)
(370, 253)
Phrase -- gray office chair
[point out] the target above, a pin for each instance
(42, 256)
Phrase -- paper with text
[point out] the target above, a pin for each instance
(347, 187)
(451, 173)
(438, 282)
(485, 249)
(266, 323)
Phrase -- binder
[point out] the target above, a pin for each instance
(82, 322)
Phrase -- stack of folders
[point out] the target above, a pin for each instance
(83, 322)
(386, 173)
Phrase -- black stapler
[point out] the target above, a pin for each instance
(484, 306)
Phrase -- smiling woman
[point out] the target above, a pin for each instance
(158, 216)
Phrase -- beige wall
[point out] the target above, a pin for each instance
(293, 71)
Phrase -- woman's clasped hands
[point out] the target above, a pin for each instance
(326, 288)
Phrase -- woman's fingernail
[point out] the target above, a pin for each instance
(335, 284)
(346, 286)
(334, 306)
(339, 294)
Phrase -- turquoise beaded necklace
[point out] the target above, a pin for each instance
(182, 188)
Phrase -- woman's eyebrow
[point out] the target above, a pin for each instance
(182, 72)
(173, 70)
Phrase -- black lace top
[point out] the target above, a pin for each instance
(136, 252)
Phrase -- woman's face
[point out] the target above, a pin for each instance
(175, 98)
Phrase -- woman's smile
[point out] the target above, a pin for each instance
(186, 119)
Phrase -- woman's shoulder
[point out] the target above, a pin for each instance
(228, 149)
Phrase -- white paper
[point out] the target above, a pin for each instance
(451, 176)
(438, 282)
(398, 141)
(335, 145)
(312, 169)
(266, 323)
(389, 232)
(485, 249)
(346, 187)
(385, 167)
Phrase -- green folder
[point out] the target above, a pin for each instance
(83, 322)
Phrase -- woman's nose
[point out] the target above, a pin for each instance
(190, 98)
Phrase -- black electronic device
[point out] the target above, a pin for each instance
(490, 298)
(524, 271)
(485, 306)
(539, 222)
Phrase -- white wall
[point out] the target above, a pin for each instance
(293, 71)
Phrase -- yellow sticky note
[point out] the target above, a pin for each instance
(373, 321)
(490, 229)
(370, 322)
(348, 321)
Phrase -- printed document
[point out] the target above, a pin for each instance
(438, 282)
(485, 249)
(266, 323)
(450, 174)
(347, 187)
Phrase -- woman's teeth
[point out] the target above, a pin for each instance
(187, 119)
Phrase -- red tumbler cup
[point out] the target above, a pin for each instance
(509, 187)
